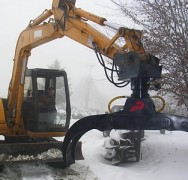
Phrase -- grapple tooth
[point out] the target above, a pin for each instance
(77, 131)
(69, 150)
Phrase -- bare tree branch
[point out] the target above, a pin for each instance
(165, 27)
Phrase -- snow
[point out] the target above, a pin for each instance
(44, 172)
(164, 156)
(50, 154)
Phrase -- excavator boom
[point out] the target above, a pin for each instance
(71, 22)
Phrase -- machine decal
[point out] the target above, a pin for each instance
(138, 106)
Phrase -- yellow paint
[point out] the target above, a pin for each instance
(46, 134)
(2, 112)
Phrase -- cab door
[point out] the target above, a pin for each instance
(48, 120)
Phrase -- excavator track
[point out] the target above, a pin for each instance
(49, 152)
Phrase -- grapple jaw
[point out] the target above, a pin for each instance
(119, 120)
(77, 130)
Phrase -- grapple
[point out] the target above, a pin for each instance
(139, 110)
(139, 120)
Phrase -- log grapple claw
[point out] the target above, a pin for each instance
(119, 120)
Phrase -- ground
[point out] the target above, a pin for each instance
(163, 157)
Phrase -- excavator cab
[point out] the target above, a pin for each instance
(41, 124)
(42, 112)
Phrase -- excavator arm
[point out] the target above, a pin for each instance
(64, 19)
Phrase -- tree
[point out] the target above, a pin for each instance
(55, 65)
(165, 27)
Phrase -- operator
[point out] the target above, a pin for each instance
(47, 101)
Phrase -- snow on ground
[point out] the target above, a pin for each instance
(44, 172)
(163, 157)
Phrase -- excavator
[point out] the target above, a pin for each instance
(29, 131)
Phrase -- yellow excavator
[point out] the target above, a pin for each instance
(27, 129)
